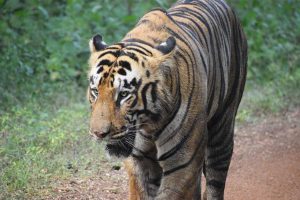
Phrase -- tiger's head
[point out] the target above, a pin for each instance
(130, 92)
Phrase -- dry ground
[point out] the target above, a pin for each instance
(265, 166)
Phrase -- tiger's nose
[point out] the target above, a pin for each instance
(100, 128)
(100, 134)
(101, 131)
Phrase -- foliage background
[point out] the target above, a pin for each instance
(43, 56)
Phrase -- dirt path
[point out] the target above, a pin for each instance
(265, 166)
(266, 161)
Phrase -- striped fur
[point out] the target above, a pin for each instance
(166, 97)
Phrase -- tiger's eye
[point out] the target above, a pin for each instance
(124, 94)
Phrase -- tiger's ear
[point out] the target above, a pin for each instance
(97, 44)
(167, 46)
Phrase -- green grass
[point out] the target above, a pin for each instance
(265, 98)
(43, 140)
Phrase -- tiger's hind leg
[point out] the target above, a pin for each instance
(218, 157)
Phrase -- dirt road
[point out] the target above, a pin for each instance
(265, 166)
(266, 161)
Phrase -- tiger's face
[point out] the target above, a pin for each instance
(126, 95)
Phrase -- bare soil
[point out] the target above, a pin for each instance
(265, 166)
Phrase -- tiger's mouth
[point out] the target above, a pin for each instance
(121, 145)
(118, 143)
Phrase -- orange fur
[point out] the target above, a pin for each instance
(133, 186)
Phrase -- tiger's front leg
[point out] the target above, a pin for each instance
(182, 169)
(144, 178)
(134, 190)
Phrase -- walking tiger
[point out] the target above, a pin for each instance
(165, 98)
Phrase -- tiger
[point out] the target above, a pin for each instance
(164, 98)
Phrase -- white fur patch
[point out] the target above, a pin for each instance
(95, 81)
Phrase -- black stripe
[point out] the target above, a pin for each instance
(112, 48)
(222, 145)
(100, 70)
(155, 181)
(92, 79)
(139, 46)
(144, 94)
(153, 86)
(137, 157)
(153, 92)
(126, 84)
(180, 144)
(138, 41)
(144, 155)
(154, 116)
(137, 85)
(137, 50)
(121, 44)
(158, 9)
(217, 128)
(134, 101)
(122, 72)
(147, 73)
(148, 137)
(200, 53)
(200, 144)
(222, 167)
(125, 64)
(195, 24)
(216, 184)
(130, 55)
(114, 53)
(220, 159)
(105, 62)
(105, 75)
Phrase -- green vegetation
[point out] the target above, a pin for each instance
(273, 30)
(43, 56)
